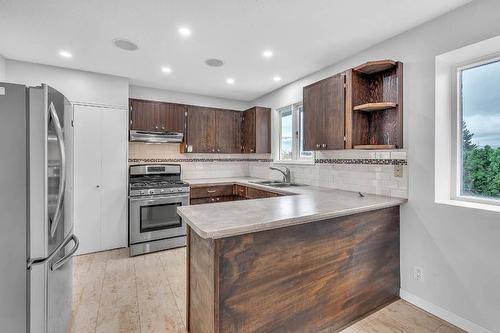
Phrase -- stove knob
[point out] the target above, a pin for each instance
(151, 191)
(143, 192)
(161, 191)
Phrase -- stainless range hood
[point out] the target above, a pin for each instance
(155, 137)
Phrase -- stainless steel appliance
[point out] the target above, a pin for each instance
(36, 236)
(156, 191)
(156, 137)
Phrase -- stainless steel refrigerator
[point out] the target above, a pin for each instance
(36, 236)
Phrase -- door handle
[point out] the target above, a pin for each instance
(54, 221)
(64, 259)
(211, 191)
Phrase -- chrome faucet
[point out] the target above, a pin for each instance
(286, 173)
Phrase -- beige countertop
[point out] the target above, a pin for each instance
(305, 204)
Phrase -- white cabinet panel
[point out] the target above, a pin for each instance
(114, 178)
(100, 155)
(87, 177)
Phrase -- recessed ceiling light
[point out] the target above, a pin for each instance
(267, 53)
(276, 78)
(230, 80)
(65, 54)
(213, 62)
(125, 44)
(166, 69)
(183, 31)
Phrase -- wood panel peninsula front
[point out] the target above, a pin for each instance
(315, 260)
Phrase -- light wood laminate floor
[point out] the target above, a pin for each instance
(115, 293)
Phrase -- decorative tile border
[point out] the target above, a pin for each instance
(190, 160)
(360, 161)
(369, 161)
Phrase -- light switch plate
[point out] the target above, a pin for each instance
(398, 171)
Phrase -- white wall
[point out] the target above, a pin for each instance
(184, 98)
(2, 68)
(78, 86)
(458, 248)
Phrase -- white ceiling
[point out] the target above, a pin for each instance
(305, 36)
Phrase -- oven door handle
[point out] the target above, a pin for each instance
(162, 199)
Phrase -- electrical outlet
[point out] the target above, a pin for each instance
(398, 171)
(418, 273)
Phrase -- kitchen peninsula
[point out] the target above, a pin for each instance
(313, 259)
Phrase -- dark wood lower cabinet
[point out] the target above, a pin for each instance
(201, 194)
(314, 277)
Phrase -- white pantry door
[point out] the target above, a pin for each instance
(87, 173)
(101, 141)
(114, 175)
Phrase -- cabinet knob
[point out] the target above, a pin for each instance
(251, 150)
(323, 145)
(163, 127)
(218, 150)
(97, 186)
(213, 150)
(317, 145)
(156, 127)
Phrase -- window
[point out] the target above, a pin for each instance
(290, 139)
(478, 148)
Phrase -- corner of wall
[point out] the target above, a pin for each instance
(2, 69)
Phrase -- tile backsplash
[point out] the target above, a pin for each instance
(352, 170)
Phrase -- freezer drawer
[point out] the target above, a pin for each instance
(51, 286)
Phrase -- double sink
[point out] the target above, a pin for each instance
(275, 183)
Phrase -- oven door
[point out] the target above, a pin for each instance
(153, 218)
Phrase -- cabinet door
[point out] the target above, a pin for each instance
(324, 114)
(144, 115)
(333, 100)
(313, 115)
(114, 174)
(201, 129)
(249, 131)
(172, 117)
(262, 130)
(87, 177)
(228, 131)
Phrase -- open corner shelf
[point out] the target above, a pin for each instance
(371, 147)
(375, 106)
(372, 67)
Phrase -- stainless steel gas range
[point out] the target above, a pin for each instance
(156, 190)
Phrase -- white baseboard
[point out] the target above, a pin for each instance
(450, 317)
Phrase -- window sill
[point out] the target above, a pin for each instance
(469, 204)
(311, 162)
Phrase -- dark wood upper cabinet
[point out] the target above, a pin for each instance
(201, 129)
(206, 129)
(361, 108)
(157, 116)
(228, 131)
(211, 130)
(257, 130)
(376, 117)
(324, 114)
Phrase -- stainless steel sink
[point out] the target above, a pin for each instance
(276, 183)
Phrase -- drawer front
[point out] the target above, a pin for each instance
(211, 191)
(240, 191)
(200, 201)
(253, 193)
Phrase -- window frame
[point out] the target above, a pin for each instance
(296, 157)
(457, 131)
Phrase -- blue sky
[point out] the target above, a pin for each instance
(481, 103)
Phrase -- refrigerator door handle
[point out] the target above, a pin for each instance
(61, 246)
(54, 221)
(64, 259)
